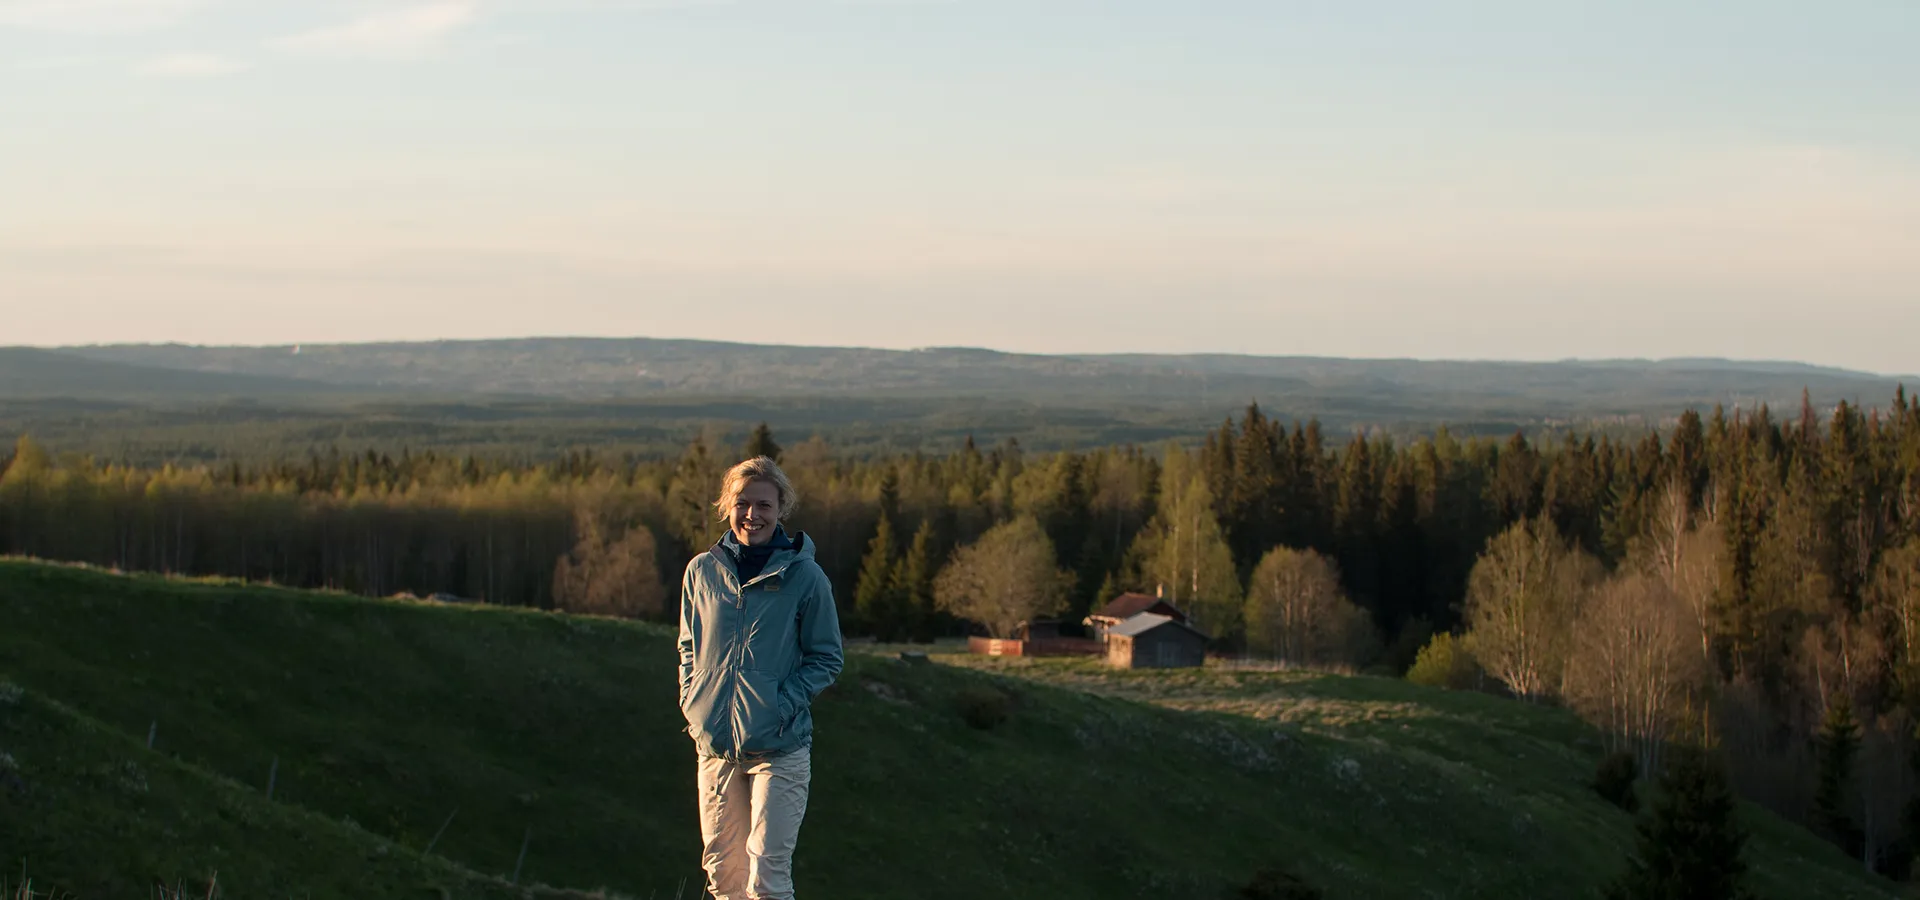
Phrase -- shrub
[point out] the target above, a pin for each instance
(1613, 780)
(1445, 662)
(983, 707)
(1276, 884)
(1398, 655)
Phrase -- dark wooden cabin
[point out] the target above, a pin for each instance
(1154, 641)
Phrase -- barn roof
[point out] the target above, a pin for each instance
(1126, 606)
(1144, 622)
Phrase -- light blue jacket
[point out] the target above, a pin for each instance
(753, 656)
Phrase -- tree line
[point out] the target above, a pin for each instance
(1738, 575)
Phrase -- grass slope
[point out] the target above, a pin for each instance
(115, 819)
(392, 715)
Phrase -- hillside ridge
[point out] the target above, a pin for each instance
(182, 355)
(393, 713)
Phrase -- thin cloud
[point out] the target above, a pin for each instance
(55, 63)
(94, 15)
(190, 65)
(402, 33)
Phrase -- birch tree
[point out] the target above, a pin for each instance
(609, 576)
(1296, 611)
(1896, 597)
(1522, 596)
(1184, 550)
(1633, 664)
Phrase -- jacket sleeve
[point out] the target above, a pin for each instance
(685, 642)
(820, 652)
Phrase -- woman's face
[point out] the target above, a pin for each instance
(754, 513)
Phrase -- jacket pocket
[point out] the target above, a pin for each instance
(760, 711)
(697, 705)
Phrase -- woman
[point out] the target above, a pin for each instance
(759, 639)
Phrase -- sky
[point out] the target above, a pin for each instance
(1479, 179)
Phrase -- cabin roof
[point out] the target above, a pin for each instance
(1128, 605)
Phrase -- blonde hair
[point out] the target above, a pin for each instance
(759, 468)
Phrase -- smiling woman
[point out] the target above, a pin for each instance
(754, 498)
(759, 639)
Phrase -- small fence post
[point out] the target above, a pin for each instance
(436, 835)
(523, 854)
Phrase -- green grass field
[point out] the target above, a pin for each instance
(387, 717)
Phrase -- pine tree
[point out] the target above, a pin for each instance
(1110, 589)
(1516, 484)
(1404, 577)
(1253, 504)
(1301, 506)
(1687, 455)
(875, 596)
(1357, 520)
(915, 584)
(1216, 464)
(696, 481)
(890, 493)
(1809, 421)
(760, 443)
(1837, 746)
(1689, 846)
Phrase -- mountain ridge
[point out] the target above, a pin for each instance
(1679, 362)
(612, 367)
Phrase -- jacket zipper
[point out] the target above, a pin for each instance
(740, 647)
(739, 653)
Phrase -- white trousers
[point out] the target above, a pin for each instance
(750, 816)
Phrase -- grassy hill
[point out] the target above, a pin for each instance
(388, 717)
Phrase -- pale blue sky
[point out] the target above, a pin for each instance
(1469, 179)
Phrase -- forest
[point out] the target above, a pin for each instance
(1746, 578)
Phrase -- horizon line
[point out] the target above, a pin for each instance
(1214, 354)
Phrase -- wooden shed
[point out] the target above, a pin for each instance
(1154, 641)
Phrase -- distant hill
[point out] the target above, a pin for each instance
(152, 403)
(27, 372)
(385, 722)
(1385, 389)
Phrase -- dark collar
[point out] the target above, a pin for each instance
(735, 549)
